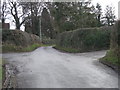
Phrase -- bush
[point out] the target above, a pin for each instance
(85, 39)
(48, 41)
(112, 57)
(19, 38)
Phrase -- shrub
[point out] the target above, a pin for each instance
(112, 57)
(19, 38)
(48, 41)
(85, 39)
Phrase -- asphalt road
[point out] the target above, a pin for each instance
(48, 68)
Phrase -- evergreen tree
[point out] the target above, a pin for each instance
(47, 29)
(73, 15)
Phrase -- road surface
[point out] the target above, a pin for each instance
(48, 68)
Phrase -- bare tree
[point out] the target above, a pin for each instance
(3, 11)
(109, 15)
(17, 12)
(98, 13)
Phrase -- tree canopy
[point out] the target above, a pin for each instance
(60, 16)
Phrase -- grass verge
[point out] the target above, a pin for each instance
(1, 73)
(111, 59)
(13, 48)
(0, 69)
(70, 50)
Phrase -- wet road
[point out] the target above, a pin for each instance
(48, 68)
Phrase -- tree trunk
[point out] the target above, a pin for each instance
(18, 24)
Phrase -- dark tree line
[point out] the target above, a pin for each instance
(73, 15)
(32, 21)
(57, 17)
(46, 28)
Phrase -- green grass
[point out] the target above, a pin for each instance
(13, 48)
(0, 69)
(70, 50)
(31, 47)
(0, 73)
(111, 58)
(9, 48)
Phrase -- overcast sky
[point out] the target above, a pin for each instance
(114, 3)
(103, 3)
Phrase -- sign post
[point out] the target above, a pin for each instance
(40, 29)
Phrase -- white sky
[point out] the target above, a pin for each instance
(103, 3)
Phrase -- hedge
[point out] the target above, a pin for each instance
(19, 38)
(112, 57)
(85, 39)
